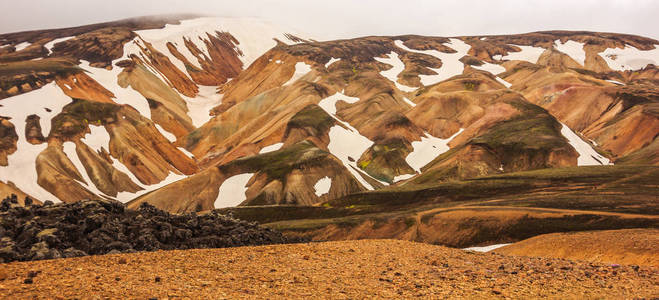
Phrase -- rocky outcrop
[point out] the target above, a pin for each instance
(8, 139)
(36, 232)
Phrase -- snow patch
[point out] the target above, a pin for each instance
(492, 68)
(329, 104)
(485, 248)
(528, 53)
(615, 81)
(322, 186)
(254, 36)
(232, 191)
(109, 80)
(347, 144)
(505, 83)
(127, 196)
(342, 145)
(408, 101)
(49, 46)
(168, 135)
(200, 106)
(331, 61)
(186, 152)
(97, 138)
(70, 151)
(428, 149)
(22, 169)
(392, 74)
(273, 147)
(301, 69)
(572, 49)
(451, 64)
(22, 46)
(630, 58)
(403, 177)
(587, 155)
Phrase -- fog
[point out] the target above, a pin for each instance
(343, 18)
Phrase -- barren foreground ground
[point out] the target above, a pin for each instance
(337, 270)
(625, 246)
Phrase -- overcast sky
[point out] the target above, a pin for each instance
(327, 19)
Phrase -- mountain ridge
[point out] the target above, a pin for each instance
(400, 98)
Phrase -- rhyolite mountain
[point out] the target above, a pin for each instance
(194, 113)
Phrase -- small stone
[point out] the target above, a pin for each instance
(157, 279)
(306, 257)
(32, 274)
(122, 261)
(28, 280)
(117, 278)
(496, 292)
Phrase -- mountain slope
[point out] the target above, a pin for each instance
(177, 111)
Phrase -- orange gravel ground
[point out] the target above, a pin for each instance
(336, 270)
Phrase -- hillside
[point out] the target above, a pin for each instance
(349, 269)
(190, 113)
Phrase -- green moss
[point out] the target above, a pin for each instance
(76, 116)
(53, 66)
(278, 164)
(313, 118)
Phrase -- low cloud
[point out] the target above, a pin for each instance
(344, 19)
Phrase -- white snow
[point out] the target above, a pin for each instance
(186, 152)
(485, 248)
(70, 151)
(168, 135)
(22, 46)
(403, 177)
(348, 143)
(322, 186)
(572, 49)
(492, 68)
(528, 53)
(587, 155)
(109, 80)
(329, 103)
(451, 64)
(22, 169)
(630, 58)
(392, 74)
(255, 37)
(428, 149)
(505, 83)
(273, 147)
(615, 81)
(49, 46)
(408, 101)
(127, 196)
(97, 138)
(200, 106)
(331, 61)
(232, 191)
(301, 69)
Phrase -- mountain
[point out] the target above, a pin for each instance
(195, 113)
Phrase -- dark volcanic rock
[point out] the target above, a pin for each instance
(100, 227)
